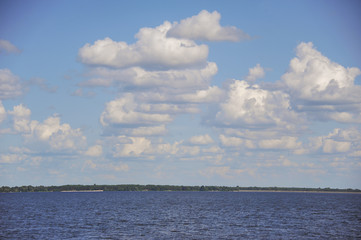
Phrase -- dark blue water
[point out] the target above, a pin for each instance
(180, 215)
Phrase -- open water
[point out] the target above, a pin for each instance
(180, 215)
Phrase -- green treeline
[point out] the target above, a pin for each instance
(134, 187)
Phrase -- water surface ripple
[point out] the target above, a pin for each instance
(180, 215)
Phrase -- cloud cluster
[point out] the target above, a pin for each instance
(165, 73)
(166, 46)
(344, 141)
(322, 88)
(314, 86)
(197, 148)
(49, 135)
(171, 74)
(60, 137)
(252, 125)
(254, 118)
(250, 106)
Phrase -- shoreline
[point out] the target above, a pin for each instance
(235, 191)
(290, 191)
(135, 187)
(71, 191)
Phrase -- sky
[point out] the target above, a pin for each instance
(234, 93)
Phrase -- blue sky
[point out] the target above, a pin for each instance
(248, 93)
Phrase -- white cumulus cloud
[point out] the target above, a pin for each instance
(152, 50)
(137, 147)
(251, 106)
(322, 88)
(21, 118)
(345, 141)
(206, 26)
(332, 146)
(255, 73)
(58, 136)
(125, 111)
(49, 134)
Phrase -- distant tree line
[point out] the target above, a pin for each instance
(134, 187)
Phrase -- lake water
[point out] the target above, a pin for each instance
(180, 215)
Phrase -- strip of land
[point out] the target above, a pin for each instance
(135, 187)
(83, 191)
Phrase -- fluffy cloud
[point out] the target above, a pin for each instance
(230, 141)
(255, 73)
(125, 111)
(152, 50)
(201, 140)
(331, 146)
(205, 26)
(10, 86)
(250, 106)
(49, 134)
(142, 147)
(323, 88)
(94, 151)
(344, 141)
(60, 137)
(21, 118)
(138, 146)
(152, 148)
(8, 47)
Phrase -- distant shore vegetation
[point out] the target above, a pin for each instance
(135, 187)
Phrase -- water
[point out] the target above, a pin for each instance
(180, 215)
